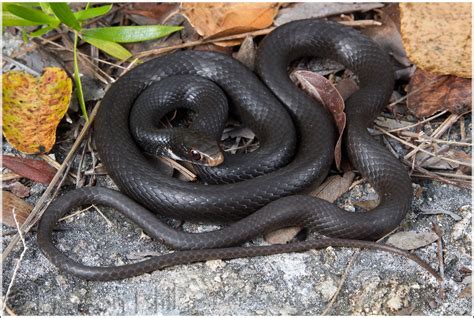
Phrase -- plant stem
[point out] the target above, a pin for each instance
(77, 79)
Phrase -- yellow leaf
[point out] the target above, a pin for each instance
(437, 36)
(33, 108)
(223, 19)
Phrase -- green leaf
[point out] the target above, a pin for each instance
(112, 48)
(128, 34)
(92, 12)
(31, 14)
(64, 13)
(41, 31)
(9, 19)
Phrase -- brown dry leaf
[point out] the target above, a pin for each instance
(388, 37)
(223, 19)
(330, 190)
(11, 203)
(410, 240)
(437, 36)
(156, 12)
(36, 170)
(33, 107)
(429, 93)
(19, 189)
(324, 91)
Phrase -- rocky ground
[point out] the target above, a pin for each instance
(298, 283)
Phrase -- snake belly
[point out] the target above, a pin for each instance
(263, 203)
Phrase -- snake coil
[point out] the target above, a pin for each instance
(268, 201)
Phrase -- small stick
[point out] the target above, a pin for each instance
(186, 173)
(10, 176)
(17, 266)
(422, 150)
(420, 122)
(53, 163)
(462, 128)
(437, 133)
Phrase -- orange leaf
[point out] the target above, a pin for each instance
(437, 36)
(223, 19)
(33, 108)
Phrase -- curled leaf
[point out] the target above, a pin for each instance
(33, 107)
(324, 91)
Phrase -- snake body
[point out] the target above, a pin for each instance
(268, 201)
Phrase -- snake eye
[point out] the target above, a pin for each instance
(195, 155)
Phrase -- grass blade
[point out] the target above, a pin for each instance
(30, 14)
(92, 12)
(112, 48)
(128, 34)
(9, 19)
(65, 15)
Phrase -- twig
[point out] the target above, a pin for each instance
(109, 223)
(186, 173)
(420, 122)
(437, 133)
(422, 150)
(30, 220)
(53, 163)
(17, 266)
(10, 176)
(203, 41)
(70, 216)
(428, 139)
(462, 128)
(21, 65)
(341, 283)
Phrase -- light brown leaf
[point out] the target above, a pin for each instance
(223, 19)
(429, 93)
(437, 36)
(326, 93)
(11, 203)
(33, 107)
(18, 189)
(36, 170)
(156, 12)
(410, 240)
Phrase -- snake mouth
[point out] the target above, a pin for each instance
(215, 160)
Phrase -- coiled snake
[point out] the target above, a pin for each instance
(267, 201)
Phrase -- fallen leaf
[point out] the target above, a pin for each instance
(156, 13)
(389, 123)
(320, 88)
(247, 53)
(367, 204)
(33, 169)
(334, 186)
(281, 236)
(346, 87)
(451, 214)
(13, 204)
(305, 10)
(388, 37)
(18, 189)
(429, 93)
(329, 190)
(33, 107)
(437, 36)
(412, 240)
(224, 19)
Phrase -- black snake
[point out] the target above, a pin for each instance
(265, 202)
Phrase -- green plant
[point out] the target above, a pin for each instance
(49, 16)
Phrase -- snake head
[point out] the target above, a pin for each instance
(197, 148)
